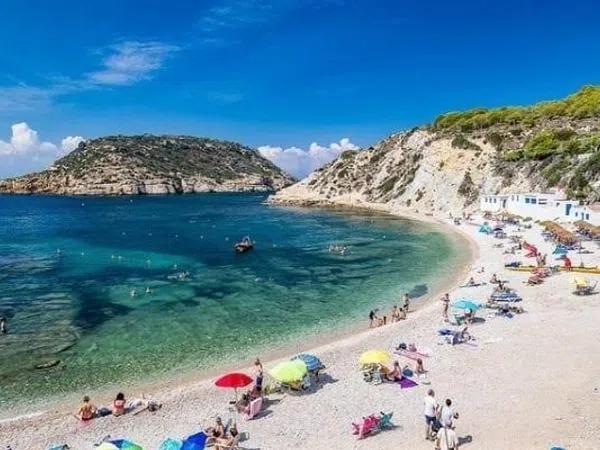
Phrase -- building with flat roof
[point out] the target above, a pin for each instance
(541, 206)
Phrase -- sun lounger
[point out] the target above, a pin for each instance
(585, 289)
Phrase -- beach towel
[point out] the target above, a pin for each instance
(406, 383)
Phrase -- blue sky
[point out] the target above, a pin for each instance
(279, 74)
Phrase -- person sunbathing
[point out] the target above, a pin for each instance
(216, 432)
(87, 410)
(119, 405)
(395, 374)
(471, 282)
(419, 368)
(228, 442)
(494, 279)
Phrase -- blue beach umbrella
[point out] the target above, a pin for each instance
(466, 304)
(195, 442)
(312, 362)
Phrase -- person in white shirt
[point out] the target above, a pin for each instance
(448, 415)
(431, 409)
(446, 439)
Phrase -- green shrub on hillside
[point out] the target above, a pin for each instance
(584, 103)
(462, 142)
(555, 171)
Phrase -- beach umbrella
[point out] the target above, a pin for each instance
(375, 357)
(312, 362)
(289, 371)
(195, 442)
(171, 444)
(234, 381)
(466, 304)
(580, 281)
(124, 444)
(107, 446)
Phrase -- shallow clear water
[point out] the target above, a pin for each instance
(69, 267)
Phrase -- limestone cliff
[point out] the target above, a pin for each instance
(148, 164)
(443, 168)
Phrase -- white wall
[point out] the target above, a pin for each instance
(539, 207)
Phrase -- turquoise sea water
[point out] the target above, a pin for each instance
(124, 288)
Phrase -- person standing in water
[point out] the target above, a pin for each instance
(3, 329)
(406, 303)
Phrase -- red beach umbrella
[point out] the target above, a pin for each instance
(233, 380)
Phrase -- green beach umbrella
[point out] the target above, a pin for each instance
(466, 304)
(289, 371)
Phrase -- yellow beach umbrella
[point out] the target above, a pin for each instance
(289, 371)
(375, 357)
(107, 446)
(580, 281)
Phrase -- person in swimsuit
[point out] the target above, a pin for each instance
(227, 442)
(396, 373)
(259, 376)
(372, 319)
(87, 410)
(216, 432)
(119, 405)
(446, 302)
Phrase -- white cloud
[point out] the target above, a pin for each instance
(132, 61)
(24, 152)
(299, 162)
(123, 64)
(70, 143)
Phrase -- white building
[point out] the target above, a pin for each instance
(541, 206)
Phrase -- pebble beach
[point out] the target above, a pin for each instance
(529, 382)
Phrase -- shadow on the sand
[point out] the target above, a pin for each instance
(465, 440)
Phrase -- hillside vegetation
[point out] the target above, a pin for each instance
(153, 165)
(444, 167)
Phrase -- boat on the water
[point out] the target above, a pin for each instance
(244, 245)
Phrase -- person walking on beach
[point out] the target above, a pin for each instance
(448, 415)
(3, 329)
(406, 303)
(446, 439)
(446, 303)
(431, 411)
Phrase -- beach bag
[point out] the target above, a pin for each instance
(103, 412)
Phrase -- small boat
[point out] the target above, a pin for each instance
(244, 245)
